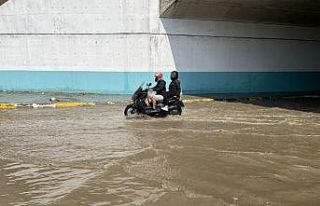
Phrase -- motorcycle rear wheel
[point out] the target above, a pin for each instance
(130, 110)
(176, 111)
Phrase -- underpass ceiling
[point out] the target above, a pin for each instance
(289, 12)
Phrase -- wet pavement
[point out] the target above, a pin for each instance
(217, 153)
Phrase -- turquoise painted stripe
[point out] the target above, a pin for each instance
(70, 81)
(192, 82)
(251, 82)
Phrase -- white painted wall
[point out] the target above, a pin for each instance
(128, 35)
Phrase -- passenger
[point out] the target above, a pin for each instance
(159, 91)
(174, 87)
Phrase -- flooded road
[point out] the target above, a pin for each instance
(218, 153)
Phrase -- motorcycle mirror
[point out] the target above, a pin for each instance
(141, 84)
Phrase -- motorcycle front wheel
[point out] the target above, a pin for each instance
(130, 110)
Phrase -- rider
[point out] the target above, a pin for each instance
(174, 87)
(159, 89)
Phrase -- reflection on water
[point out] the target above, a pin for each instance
(45, 185)
(215, 154)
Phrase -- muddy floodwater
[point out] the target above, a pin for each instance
(217, 153)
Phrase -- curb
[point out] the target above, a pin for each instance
(8, 106)
(49, 105)
(4, 106)
(74, 104)
(188, 101)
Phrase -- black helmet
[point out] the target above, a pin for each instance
(174, 75)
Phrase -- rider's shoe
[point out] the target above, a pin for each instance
(165, 108)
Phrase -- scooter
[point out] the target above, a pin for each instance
(139, 106)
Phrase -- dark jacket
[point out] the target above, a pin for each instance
(174, 89)
(160, 88)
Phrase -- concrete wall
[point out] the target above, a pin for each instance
(127, 36)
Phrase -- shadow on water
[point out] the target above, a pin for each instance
(304, 104)
(298, 103)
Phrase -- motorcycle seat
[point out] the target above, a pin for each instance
(160, 105)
